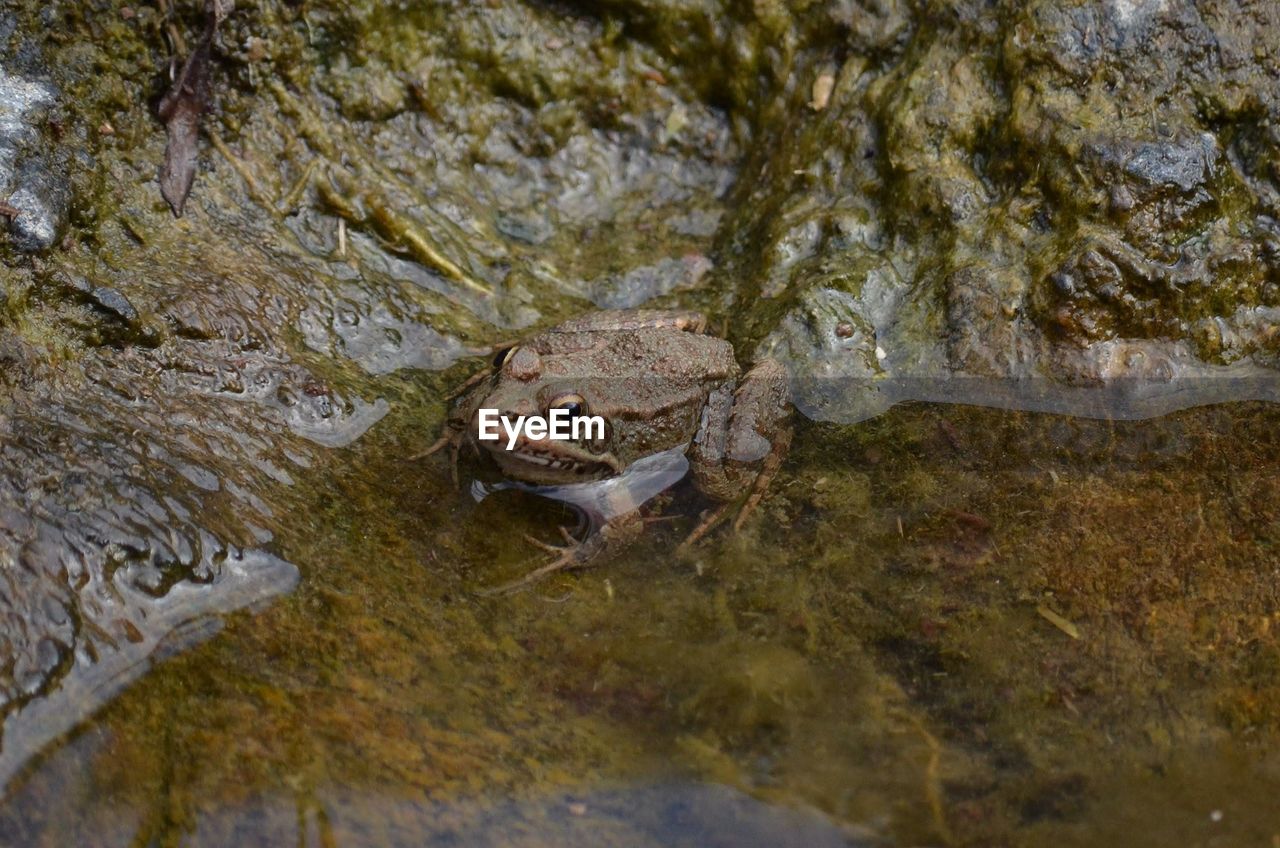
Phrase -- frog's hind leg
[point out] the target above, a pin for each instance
(708, 523)
(781, 443)
(769, 468)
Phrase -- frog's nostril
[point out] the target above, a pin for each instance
(524, 365)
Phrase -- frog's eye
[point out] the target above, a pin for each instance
(500, 358)
(574, 404)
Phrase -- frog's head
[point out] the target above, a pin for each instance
(641, 412)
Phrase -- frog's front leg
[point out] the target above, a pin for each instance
(741, 442)
(616, 534)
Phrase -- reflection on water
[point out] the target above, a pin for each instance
(661, 814)
(850, 399)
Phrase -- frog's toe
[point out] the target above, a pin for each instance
(550, 548)
(566, 558)
(572, 554)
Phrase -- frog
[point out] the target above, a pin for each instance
(661, 383)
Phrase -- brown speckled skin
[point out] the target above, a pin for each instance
(656, 378)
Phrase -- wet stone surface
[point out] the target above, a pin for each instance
(1098, 207)
(37, 196)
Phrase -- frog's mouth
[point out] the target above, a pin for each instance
(564, 461)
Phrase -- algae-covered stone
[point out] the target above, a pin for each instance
(1075, 195)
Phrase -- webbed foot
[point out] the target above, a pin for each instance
(577, 553)
(572, 554)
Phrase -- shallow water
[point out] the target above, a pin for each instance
(949, 625)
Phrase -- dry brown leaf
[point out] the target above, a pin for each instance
(181, 109)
